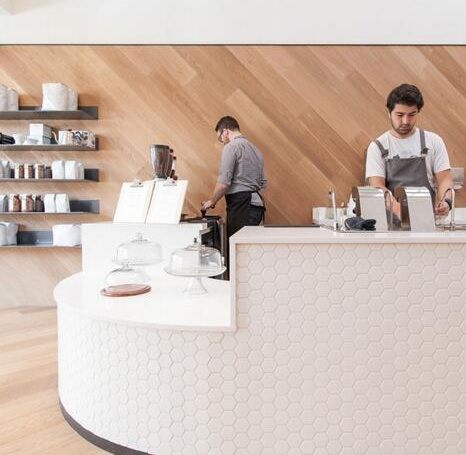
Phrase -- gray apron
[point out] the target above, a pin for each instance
(407, 171)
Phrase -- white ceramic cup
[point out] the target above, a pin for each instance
(19, 138)
(30, 141)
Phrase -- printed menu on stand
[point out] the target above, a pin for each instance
(167, 202)
(134, 202)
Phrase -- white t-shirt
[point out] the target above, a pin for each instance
(437, 157)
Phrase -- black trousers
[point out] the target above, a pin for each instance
(241, 213)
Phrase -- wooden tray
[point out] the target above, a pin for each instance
(125, 290)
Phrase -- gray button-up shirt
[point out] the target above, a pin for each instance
(242, 168)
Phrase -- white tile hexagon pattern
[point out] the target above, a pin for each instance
(361, 351)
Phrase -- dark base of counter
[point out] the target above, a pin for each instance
(104, 444)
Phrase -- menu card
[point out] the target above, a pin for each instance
(134, 202)
(167, 202)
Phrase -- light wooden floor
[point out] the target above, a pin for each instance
(30, 418)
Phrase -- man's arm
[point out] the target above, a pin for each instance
(444, 181)
(219, 191)
(379, 182)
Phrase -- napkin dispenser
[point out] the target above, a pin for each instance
(416, 209)
(371, 204)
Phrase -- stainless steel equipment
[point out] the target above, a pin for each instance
(371, 204)
(417, 212)
(214, 236)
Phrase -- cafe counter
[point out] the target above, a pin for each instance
(322, 342)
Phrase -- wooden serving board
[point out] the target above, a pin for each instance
(125, 290)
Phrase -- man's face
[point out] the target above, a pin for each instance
(403, 119)
(223, 136)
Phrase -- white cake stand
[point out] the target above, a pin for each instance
(195, 285)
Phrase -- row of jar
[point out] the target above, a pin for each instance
(60, 169)
(48, 203)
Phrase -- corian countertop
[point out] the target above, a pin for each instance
(261, 234)
(165, 306)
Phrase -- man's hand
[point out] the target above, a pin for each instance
(206, 205)
(396, 208)
(442, 208)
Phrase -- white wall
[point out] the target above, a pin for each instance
(232, 22)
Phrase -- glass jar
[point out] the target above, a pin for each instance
(14, 203)
(19, 171)
(28, 171)
(39, 171)
(27, 204)
(38, 203)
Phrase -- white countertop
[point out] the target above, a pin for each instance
(261, 234)
(165, 306)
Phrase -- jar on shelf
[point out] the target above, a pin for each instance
(28, 170)
(19, 170)
(14, 203)
(27, 204)
(38, 203)
(39, 171)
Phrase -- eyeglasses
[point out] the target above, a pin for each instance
(219, 137)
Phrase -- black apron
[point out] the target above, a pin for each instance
(407, 171)
(238, 205)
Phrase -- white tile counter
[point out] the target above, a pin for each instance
(341, 344)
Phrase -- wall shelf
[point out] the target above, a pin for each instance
(48, 148)
(36, 113)
(90, 175)
(77, 207)
(36, 239)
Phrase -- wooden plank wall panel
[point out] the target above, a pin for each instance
(312, 110)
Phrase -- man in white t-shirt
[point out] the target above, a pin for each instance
(408, 156)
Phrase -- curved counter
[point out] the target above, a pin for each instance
(331, 343)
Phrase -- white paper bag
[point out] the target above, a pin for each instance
(3, 239)
(3, 97)
(13, 104)
(2, 172)
(49, 203)
(6, 167)
(54, 97)
(3, 203)
(11, 230)
(72, 99)
(71, 170)
(80, 171)
(58, 169)
(66, 234)
(62, 203)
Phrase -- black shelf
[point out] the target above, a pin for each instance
(36, 113)
(36, 239)
(48, 148)
(77, 207)
(90, 175)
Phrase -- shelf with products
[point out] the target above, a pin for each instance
(36, 239)
(36, 113)
(77, 207)
(90, 175)
(43, 239)
(48, 147)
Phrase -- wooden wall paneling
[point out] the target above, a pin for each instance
(312, 110)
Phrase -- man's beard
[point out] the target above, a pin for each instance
(403, 130)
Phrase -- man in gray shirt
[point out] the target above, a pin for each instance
(241, 178)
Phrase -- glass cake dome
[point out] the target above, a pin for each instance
(195, 261)
(132, 256)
